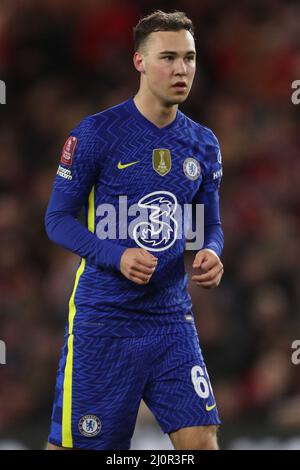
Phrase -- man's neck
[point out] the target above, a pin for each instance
(154, 111)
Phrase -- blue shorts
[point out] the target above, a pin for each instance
(101, 381)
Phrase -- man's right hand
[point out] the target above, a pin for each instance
(138, 265)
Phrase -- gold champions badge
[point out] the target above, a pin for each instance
(161, 160)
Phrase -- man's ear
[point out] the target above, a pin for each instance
(138, 61)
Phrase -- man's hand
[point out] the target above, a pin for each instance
(138, 265)
(209, 267)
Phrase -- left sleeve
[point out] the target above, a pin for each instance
(208, 194)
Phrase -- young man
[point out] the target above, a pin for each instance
(131, 332)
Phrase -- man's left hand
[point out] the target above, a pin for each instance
(209, 269)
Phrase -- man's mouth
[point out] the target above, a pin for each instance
(179, 85)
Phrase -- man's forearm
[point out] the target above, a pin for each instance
(214, 238)
(63, 228)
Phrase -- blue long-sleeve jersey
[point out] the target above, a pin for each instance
(136, 182)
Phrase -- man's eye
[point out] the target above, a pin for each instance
(168, 58)
(190, 59)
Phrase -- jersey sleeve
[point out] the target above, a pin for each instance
(208, 195)
(79, 167)
(80, 161)
(212, 171)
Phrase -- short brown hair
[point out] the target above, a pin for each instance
(160, 21)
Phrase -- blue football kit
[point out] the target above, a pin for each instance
(125, 342)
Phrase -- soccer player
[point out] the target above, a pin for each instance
(130, 333)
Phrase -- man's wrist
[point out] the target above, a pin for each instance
(212, 251)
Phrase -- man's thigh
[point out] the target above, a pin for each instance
(98, 392)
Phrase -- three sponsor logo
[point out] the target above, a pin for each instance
(158, 232)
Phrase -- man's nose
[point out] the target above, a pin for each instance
(180, 67)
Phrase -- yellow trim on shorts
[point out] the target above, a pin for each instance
(67, 439)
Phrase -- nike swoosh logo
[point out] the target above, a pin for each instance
(121, 167)
(209, 408)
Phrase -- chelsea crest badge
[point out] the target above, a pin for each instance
(191, 168)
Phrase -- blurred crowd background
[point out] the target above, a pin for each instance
(62, 60)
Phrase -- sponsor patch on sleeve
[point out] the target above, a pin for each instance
(68, 151)
(64, 173)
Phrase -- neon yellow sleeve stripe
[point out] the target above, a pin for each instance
(91, 211)
(67, 439)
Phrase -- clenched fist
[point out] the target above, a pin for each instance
(138, 265)
(209, 269)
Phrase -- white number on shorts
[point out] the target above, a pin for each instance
(201, 385)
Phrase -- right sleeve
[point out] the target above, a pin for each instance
(77, 172)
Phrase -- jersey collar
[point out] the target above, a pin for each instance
(140, 117)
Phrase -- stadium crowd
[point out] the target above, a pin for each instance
(62, 60)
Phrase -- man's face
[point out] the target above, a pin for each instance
(169, 60)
